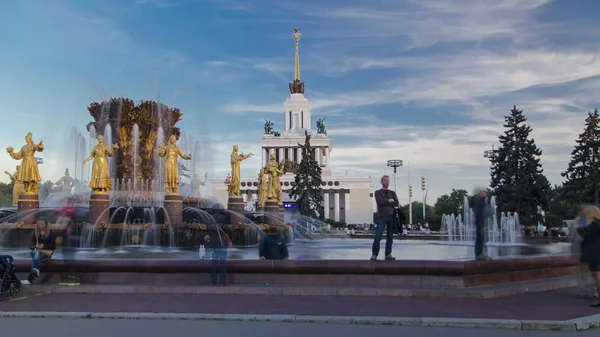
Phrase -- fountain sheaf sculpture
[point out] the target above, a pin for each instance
(100, 181)
(28, 173)
(170, 152)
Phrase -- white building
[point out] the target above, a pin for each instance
(346, 198)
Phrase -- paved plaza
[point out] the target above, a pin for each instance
(160, 328)
(560, 307)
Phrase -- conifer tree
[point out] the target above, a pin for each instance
(582, 184)
(518, 179)
(307, 188)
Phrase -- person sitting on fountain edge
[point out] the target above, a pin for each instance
(273, 246)
(386, 202)
(480, 212)
(43, 244)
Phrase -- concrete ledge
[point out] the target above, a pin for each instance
(571, 325)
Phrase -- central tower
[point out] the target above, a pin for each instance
(297, 107)
(297, 121)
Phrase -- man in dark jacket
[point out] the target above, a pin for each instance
(480, 211)
(273, 246)
(387, 201)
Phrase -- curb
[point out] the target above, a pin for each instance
(578, 324)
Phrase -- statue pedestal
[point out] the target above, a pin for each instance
(174, 207)
(236, 206)
(26, 204)
(273, 213)
(99, 202)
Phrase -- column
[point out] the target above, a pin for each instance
(252, 199)
(347, 206)
(290, 154)
(265, 156)
(331, 204)
(299, 154)
(281, 154)
(326, 151)
(325, 204)
(342, 198)
(318, 155)
(336, 210)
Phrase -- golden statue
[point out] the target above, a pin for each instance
(229, 185)
(100, 181)
(198, 183)
(17, 186)
(171, 151)
(66, 182)
(262, 188)
(275, 171)
(28, 173)
(236, 160)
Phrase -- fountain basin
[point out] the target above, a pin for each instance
(187, 235)
(401, 273)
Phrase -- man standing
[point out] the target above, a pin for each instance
(480, 210)
(386, 202)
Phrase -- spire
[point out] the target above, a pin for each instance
(297, 35)
(297, 87)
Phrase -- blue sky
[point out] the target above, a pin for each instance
(424, 81)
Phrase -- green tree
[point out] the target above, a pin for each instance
(417, 212)
(559, 206)
(307, 188)
(452, 203)
(582, 184)
(6, 194)
(517, 177)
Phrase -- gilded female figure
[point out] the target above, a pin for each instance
(17, 186)
(262, 188)
(28, 173)
(100, 181)
(198, 183)
(171, 151)
(275, 171)
(236, 160)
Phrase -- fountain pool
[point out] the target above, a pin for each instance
(320, 249)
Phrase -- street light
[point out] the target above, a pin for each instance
(423, 188)
(491, 154)
(394, 163)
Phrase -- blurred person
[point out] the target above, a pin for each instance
(387, 201)
(480, 211)
(43, 244)
(273, 246)
(589, 229)
(70, 241)
(575, 239)
(218, 243)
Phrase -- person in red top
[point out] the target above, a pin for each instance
(387, 201)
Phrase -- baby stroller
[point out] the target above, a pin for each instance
(9, 282)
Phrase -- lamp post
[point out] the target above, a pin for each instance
(491, 154)
(395, 163)
(424, 189)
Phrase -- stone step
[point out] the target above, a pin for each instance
(482, 292)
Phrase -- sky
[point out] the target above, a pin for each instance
(427, 82)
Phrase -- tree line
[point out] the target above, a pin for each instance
(517, 179)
